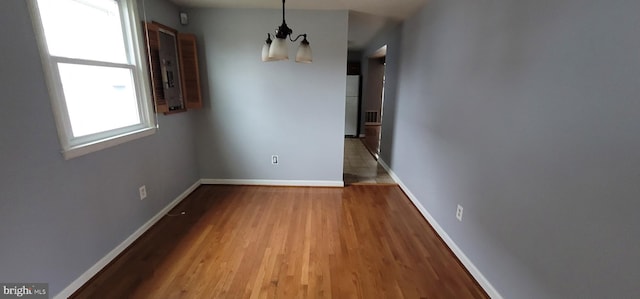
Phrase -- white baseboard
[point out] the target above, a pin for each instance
(80, 281)
(484, 283)
(273, 183)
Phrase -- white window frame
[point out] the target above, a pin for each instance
(77, 146)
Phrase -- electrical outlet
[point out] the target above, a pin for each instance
(459, 213)
(143, 192)
(274, 159)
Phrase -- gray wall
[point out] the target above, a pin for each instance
(527, 114)
(59, 217)
(372, 95)
(257, 109)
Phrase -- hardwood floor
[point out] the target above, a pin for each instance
(363, 241)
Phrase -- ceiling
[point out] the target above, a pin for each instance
(366, 17)
(394, 9)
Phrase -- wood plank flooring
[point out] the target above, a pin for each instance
(363, 241)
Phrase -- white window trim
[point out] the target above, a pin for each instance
(75, 147)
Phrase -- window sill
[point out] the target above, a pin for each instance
(88, 148)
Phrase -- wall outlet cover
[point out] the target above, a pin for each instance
(143, 192)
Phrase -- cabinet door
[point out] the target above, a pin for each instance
(190, 72)
(164, 68)
(155, 69)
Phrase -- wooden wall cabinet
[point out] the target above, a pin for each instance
(190, 71)
(173, 68)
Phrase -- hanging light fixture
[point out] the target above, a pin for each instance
(277, 49)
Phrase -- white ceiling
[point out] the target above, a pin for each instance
(366, 17)
(395, 9)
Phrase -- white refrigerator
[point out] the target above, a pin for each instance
(351, 109)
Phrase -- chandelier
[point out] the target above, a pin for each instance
(277, 49)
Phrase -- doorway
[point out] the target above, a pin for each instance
(374, 100)
(361, 154)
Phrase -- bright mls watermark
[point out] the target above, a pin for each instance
(24, 290)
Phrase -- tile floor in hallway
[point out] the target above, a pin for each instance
(360, 167)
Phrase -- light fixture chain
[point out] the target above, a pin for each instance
(282, 11)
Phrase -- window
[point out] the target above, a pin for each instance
(95, 72)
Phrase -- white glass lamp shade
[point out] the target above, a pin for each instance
(265, 52)
(304, 53)
(279, 49)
